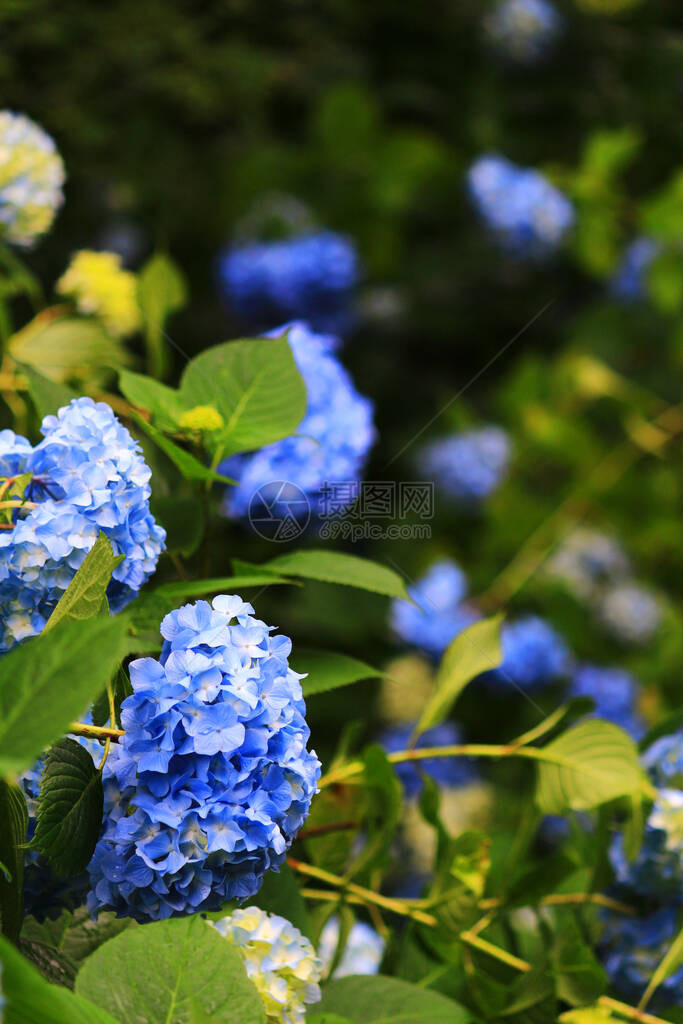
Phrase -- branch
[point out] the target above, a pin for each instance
(98, 732)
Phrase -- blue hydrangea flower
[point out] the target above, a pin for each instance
(615, 693)
(362, 954)
(587, 560)
(628, 282)
(88, 477)
(664, 761)
(633, 947)
(330, 445)
(657, 871)
(212, 779)
(528, 215)
(440, 613)
(533, 654)
(630, 613)
(523, 30)
(31, 179)
(469, 465)
(309, 277)
(447, 771)
(279, 960)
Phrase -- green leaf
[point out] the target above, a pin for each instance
(146, 393)
(328, 670)
(672, 960)
(327, 1018)
(33, 1000)
(64, 348)
(338, 567)
(184, 522)
(160, 973)
(121, 688)
(662, 215)
(86, 595)
(161, 291)
(280, 894)
(14, 818)
(188, 464)
(69, 817)
(47, 395)
(255, 386)
(475, 650)
(381, 1000)
(580, 978)
(592, 763)
(589, 1015)
(69, 939)
(48, 682)
(383, 796)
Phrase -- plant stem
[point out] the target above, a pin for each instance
(99, 732)
(629, 1012)
(572, 899)
(502, 955)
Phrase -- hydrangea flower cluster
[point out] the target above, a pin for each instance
(279, 960)
(469, 465)
(533, 654)
(653, 882)
(632, 948)
(99, 286)
(31, 179)
(362, 954)
(523, 30)
(309, 277)
(212, 779)
(587, 560)
(446, 771)
(440, 613)
(615, 693)
(88, 476)
(524, 210)
(628, 282)
(630, 613)
(331, 443)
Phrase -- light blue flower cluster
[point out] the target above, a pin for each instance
(633, 947)
(468, 465)
(88, 476)
(664, 761)
(31, 179)
(309, 277)
(533, 654)
(212, 779)
(331, 443)
(656, 874)
(528, 215)
(362, 954)
(630, 613)
(587, 560)
(446, 771)
(523, 29)
(438, 614)
(628, 282)
(615, 693)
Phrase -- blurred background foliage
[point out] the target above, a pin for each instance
(176, 119)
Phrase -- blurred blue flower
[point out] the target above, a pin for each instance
(88, 477)
(446, 771)
(468, 465)
(523, 30)
(440, 613)
(656, 873)
(631, 949)
(309, 277)
(630, 613)
(212, 779)
(331, 443)
(362, 954)
(533, 654)
(615, 693)
(664, 761)
(586, 560)
(524, 210)
(628, 282)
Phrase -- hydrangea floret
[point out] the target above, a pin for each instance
(280, 961)
(523, 30)
(212, 779)
(31, 179)
(469, 465)
(446, 771)
(615, 693)
(439, 611)
(87, 476)
(99, 286)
